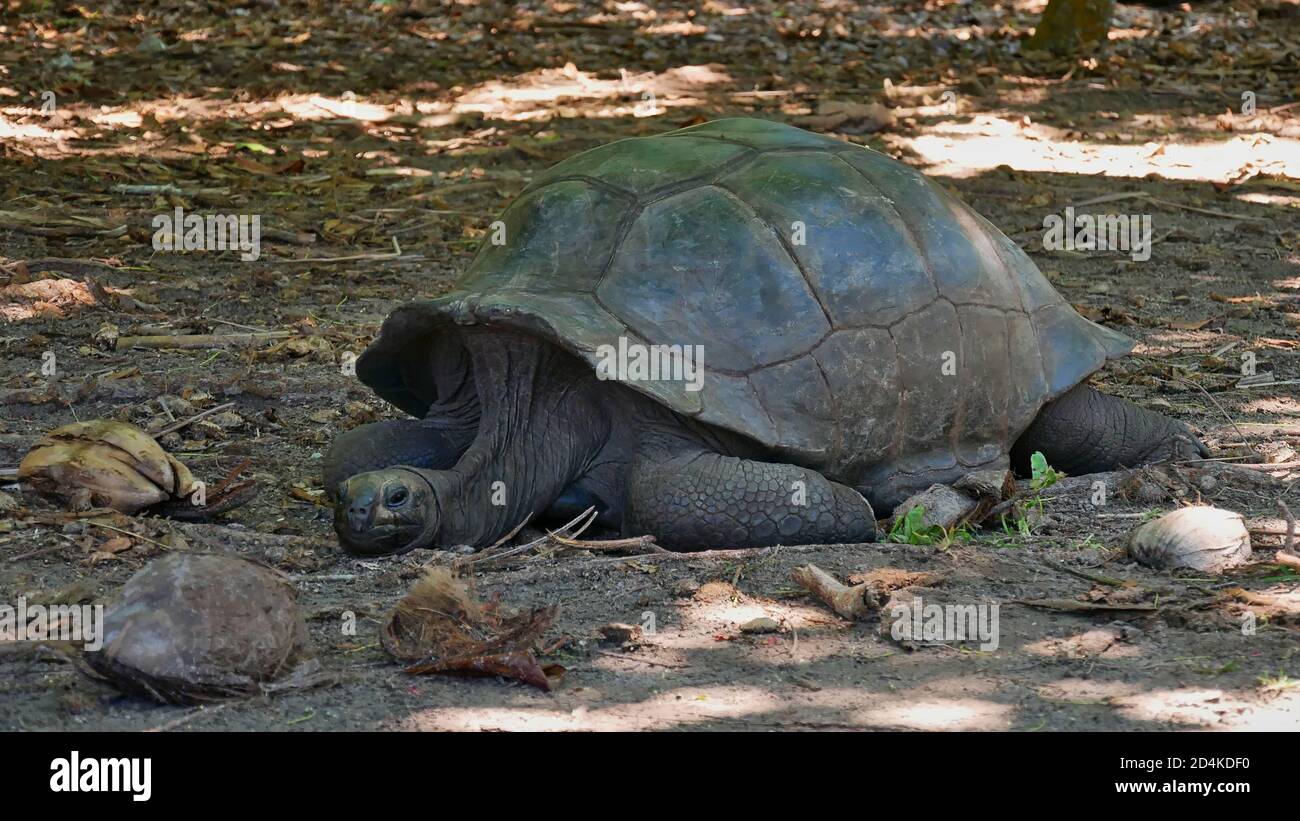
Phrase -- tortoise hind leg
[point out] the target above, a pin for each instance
(701, 500)
(1084, 431)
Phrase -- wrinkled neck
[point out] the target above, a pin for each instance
(541, 424)
(446, 378)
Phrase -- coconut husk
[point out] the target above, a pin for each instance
(1202, 538)
(443, 628)
(198, 627)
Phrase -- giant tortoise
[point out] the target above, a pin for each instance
(736, 334)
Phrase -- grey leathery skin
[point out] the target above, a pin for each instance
(899, 340)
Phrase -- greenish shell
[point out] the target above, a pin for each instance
(904, 335)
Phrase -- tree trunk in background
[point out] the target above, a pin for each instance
(1072, 26)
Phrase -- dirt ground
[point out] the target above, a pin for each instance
(356, 129)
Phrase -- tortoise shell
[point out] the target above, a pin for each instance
(854, 317)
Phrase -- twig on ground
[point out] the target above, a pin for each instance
(709, 555)
(573, 528)
(188, 717)
(396, 253)
(1142, 195)
(647, 543)
(850, 602)
(32, 554)
(1222, 410)
(1072, 606)
(1287, 559)
(1290, 526)
(201, 340)
(129, 533)
(184, 423)
(1089, 577)
(1266, 467)
(1287, 555)
(626, 657)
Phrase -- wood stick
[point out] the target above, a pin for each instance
(1274, 466)
(395, 254)
(626, 657)
(201, 340)
(1290, 526)
(184, 423)
(849, 602)
(1089, 577)
(1286, 555)
(31, 554)
(1287, 559)
(576, 526)
(721, 554)
(647, 543)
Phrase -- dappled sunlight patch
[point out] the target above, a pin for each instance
(677, 29)
(989, 141)
(1261, 198)
(29, 131)
(1096, 642)
(1211, 708)
(1084, 691)
(723, 614)
(1159, 343)
(534, 95)
(1280, 714)
(956, 686)
(537, 94)
(807, 644)
(119, 117)
(1272, 404)
(941, 714)
(694, 706)
(717, 610)
(679, 707)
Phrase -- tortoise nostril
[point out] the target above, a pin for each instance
(359, 510)
(358, 516)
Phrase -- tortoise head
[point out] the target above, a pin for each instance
(385, 512)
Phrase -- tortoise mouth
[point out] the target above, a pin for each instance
(380, 540)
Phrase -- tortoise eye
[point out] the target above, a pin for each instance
(397, 497)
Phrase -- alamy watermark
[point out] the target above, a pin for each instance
(1130, 233)
(179, 231)
(634, 362)
(53, 622)
(77, 774)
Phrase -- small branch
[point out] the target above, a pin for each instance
(1287, 555)
(626, 657)
(1222, 410)
(395, 254)
(32, 554)
(201, 340)
(1287, 559)
(1274, 466)
(638, 545)
(571, 529)
(854, 603)
(1290, 526)
(1088, 577)
(184, 423)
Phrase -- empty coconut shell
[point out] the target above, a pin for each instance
(115, 464)
(1207, 539)
(193, 627)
